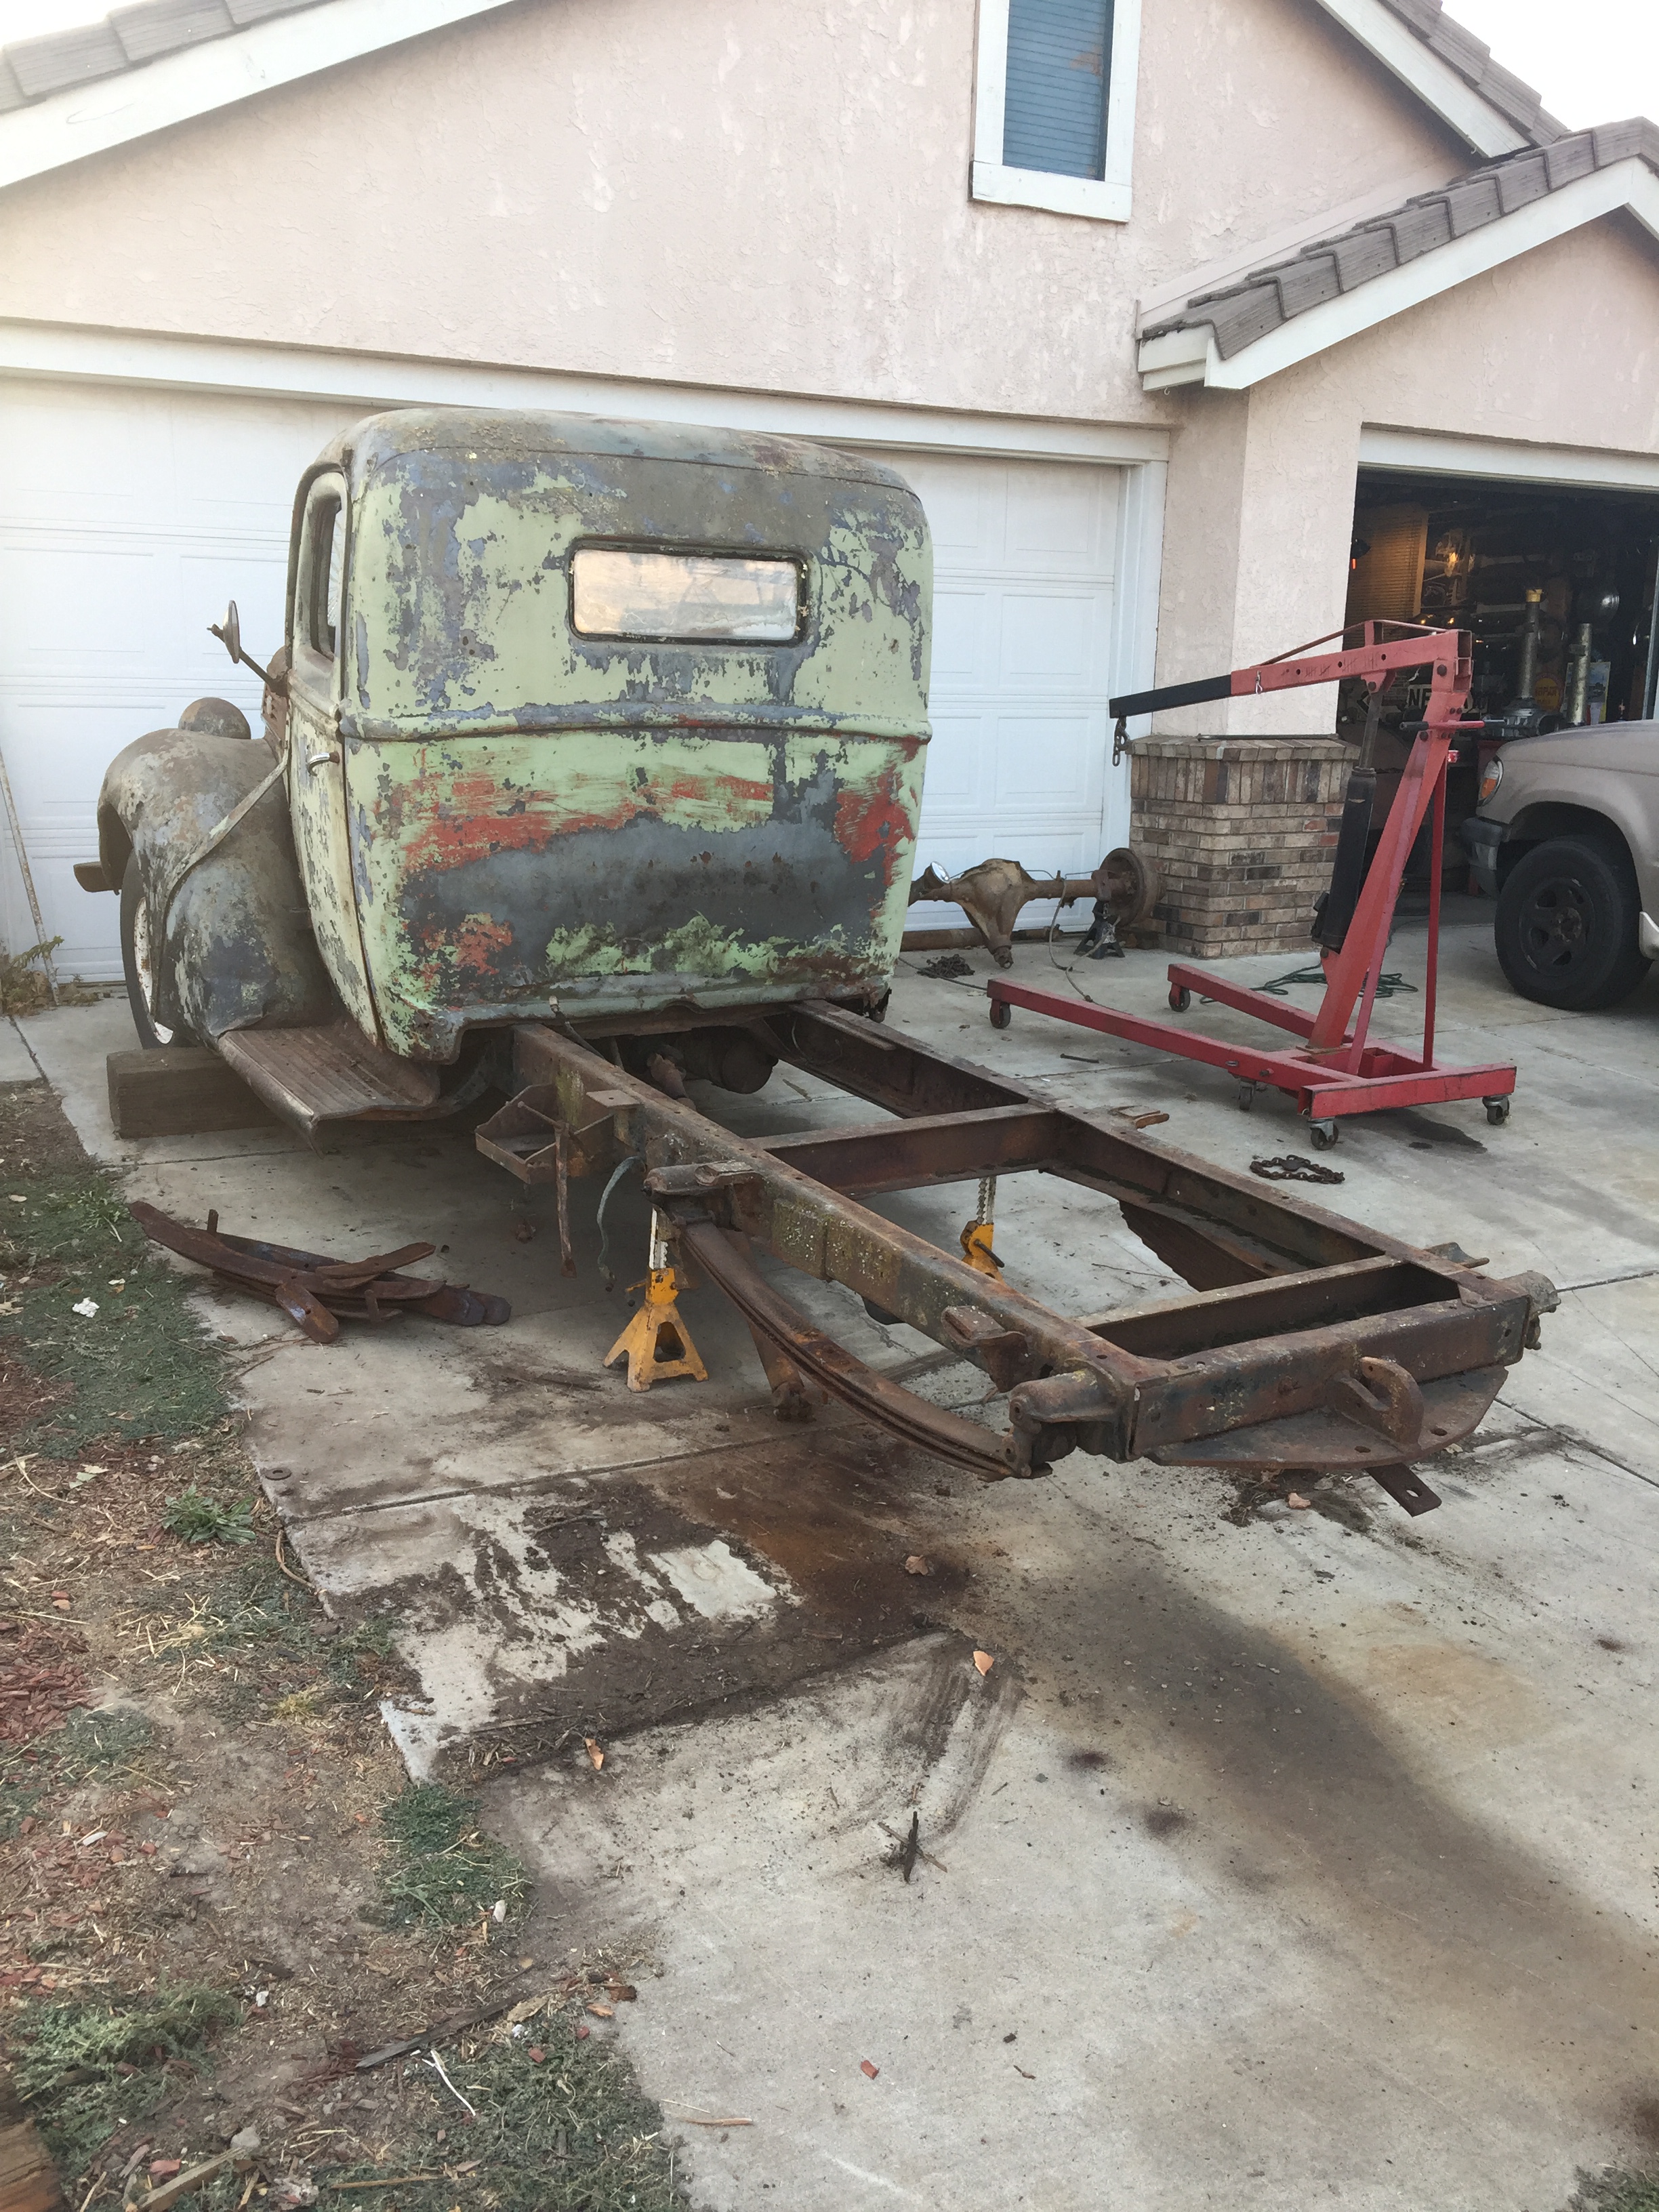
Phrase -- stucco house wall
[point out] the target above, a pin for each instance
(737, 194)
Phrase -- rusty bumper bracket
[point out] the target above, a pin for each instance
(1307, 1342)
(315, 1291)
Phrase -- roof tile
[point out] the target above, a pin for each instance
(161, 26)
(1362, 255)
(1241, 318)
(1470, 206)
(1466, 54)
(1568, 159)
(62, 59)
(1522, 180)
(1618, 142)
(1307, 282)
(244, 12)
(1420, 227)
(1421, 15)
(34, 68)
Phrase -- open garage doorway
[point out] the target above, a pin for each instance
(1468, 551)
(1556, 586)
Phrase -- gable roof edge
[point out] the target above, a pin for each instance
(111, 104)
(1451, 71)
(1188, 352)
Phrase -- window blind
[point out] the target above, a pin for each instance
(1054, 116)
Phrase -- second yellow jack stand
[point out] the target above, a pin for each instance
(977, 1235)
(656, 1341)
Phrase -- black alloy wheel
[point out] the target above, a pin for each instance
(1566, 925)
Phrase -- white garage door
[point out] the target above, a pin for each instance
(1024, 557)
(128, 518)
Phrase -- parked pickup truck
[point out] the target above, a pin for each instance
(1566, 839)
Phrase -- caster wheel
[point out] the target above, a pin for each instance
(1324, 1135)
(1001, 1013)
(1246, 1096)
(1180, 999)
(1498, 1111)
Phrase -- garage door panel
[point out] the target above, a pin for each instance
(1055, 641)
(956, 759)
(75, 601)
(40, 734)
(967, 505)
(107, 458)
(1045, 763)
(964, 659)
(1062, 520)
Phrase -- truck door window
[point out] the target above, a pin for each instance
(324, 573)
(689, 597)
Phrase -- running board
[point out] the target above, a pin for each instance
(328, 1073)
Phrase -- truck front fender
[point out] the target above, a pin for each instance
(237, 948)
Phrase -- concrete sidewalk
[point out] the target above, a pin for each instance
(1310, 1857)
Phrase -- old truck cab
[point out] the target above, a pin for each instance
(615, 723)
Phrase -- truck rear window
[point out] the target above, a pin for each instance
(709, 598)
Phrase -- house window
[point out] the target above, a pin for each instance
(1053, 119)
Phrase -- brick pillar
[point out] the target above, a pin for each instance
(1243, 834)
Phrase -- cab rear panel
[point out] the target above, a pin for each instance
(542, 820)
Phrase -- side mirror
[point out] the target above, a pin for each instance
(229, 634)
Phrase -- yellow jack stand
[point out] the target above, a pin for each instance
(977, 1235)
(656, 1341)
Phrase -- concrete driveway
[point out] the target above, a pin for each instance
(1280, 1857)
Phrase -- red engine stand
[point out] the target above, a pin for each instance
(1337, 1072)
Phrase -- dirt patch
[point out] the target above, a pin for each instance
(1336, 1496)
(1164, 1820)
(216, 1890)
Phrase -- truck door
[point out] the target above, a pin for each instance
(317, 774)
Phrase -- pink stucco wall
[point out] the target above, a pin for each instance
(719, 192)
(737, 194)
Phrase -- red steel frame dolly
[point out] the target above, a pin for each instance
(1336, 1071)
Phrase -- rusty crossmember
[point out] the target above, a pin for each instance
(1308, 1341)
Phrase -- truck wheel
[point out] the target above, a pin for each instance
(1565, 931)
(138, 963)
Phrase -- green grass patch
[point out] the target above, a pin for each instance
(571, 2133)
(1617, 2192)
(87, 1744)
(439, 1869)
(85, 2066)
(200, 1519)
(255, 1617)
(139, 1366)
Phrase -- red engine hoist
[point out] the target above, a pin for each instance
(1336, 1071)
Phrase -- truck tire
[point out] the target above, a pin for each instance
(137, 963)
(1566, 925)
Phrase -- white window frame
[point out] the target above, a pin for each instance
(1103, 199)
